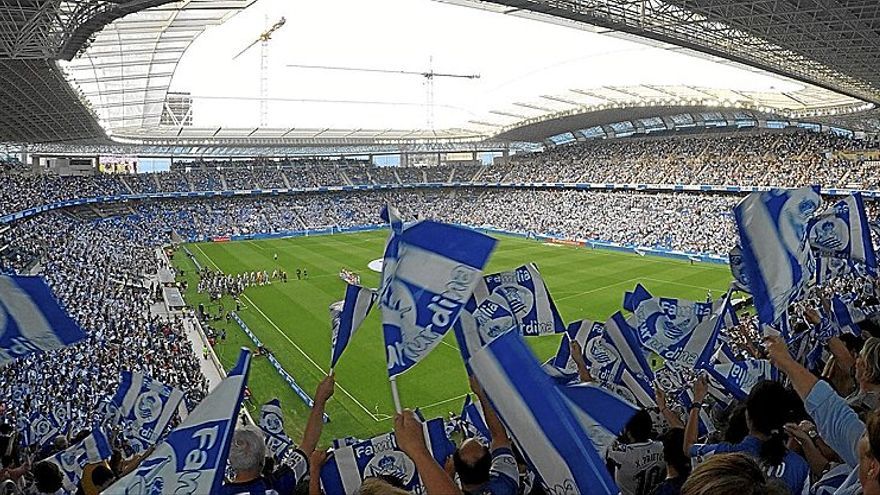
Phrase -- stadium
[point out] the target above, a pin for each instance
(440, 247)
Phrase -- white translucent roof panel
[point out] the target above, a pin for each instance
(126, 71)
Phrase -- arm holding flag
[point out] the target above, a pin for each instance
(577, 355)
(315, 423)
(411, 440)
(671, 418)
(496, 428)
(691, 430)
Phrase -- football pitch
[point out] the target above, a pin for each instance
(292, 319)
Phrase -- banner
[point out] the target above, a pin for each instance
(142, 407)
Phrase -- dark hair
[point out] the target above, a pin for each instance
(640, 426)
(672, 440)
(768, 408)
(730, 474)
(872, 430)
(47, 477)
(737, 426)
(101, 475)
(476, 473)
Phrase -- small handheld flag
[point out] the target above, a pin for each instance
(347, 317)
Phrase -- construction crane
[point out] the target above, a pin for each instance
(429, 76)
(263, 40)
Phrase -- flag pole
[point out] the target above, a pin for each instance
(395, 394)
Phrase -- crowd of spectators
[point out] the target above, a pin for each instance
(817, 431)
(754, 159)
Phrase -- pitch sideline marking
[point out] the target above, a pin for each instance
(298, 348)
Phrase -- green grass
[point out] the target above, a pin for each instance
(293, 319)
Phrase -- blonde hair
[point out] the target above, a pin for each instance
(730, 474)
(871, 354)
(378, 486)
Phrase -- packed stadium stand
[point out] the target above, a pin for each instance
(109, 380)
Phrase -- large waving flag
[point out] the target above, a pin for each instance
(33, 320)
(602, 413)
(346, 317)
(434, 274)
(778, 262)
(677, 329)
(142, 407)
(348, 466)
(94, 448)
(842, 231)
(193, 457)
(525, 294)
(540, 419)
(272, 424)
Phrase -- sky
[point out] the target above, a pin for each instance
(518, 60)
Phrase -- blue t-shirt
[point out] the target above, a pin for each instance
(793, 470)
(503, 475)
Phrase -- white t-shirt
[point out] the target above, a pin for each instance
(639, 467)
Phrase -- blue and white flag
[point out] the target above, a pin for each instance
(391, 216)
(33, 320)
(553, 440)
(436, 269)
(524, 293)
(737, 269)
(478, 325)
(579, 331)
(472, 415)
(738, 377)
(631, 300)
(829, 268)
(601, 413)
(778, 262)
(193, 457)
(616, 357)
(339, 443)
(847, 317)
(94, 448)
(272, 424)
(347, 467)
(142, 407)
(346, 317)
(42, 429)
(842, 231)
(677, 330)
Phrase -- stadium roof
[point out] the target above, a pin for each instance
(585, 108)
(125, 72)
(833, 44)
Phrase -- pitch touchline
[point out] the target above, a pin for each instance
(340, 387)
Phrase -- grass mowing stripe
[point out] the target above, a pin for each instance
(298, 348)
(340, 387)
